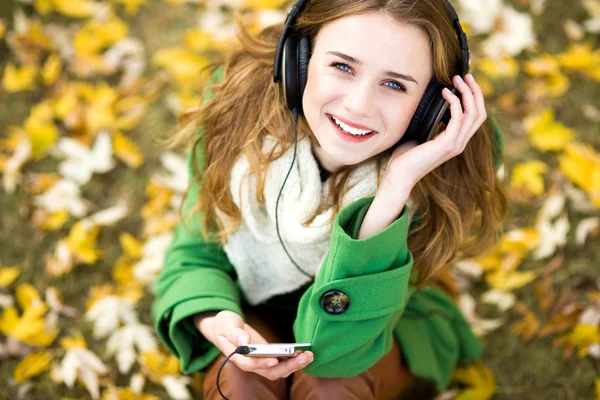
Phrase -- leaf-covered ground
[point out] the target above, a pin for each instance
(90, 89)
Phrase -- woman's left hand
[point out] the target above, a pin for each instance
(409, 163)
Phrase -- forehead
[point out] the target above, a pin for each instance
(379, 41)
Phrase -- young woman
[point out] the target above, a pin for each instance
(333, 232)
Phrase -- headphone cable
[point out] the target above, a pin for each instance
(295, 114)
(238, 350)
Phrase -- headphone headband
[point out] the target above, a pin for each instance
(289, 21)
(300, 4)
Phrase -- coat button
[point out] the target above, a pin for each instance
(335, 302)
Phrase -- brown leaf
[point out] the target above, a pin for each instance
(527, 327)
(568, 348)
(544, 293)
(559, 323)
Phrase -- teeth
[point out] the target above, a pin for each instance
(349, 129)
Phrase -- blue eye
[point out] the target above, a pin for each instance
(341, 66)
(397, 87)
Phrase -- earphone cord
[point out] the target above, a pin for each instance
(295, 113)
(238, 350)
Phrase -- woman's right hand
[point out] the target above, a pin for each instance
(227, 331)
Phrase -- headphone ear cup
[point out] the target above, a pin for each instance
(304, 53)
(415, 129)
(289, 69)
(435, 114)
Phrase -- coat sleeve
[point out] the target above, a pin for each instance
(374, 274)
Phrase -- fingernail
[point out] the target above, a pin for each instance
(271, 364)
(242, 339)
(301, 361)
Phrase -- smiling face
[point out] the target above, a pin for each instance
(367, 73)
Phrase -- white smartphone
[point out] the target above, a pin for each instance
(277, 349)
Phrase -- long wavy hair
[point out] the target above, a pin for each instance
(459, 205)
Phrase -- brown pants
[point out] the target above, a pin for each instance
(389, 378)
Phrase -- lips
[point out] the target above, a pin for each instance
(353, 125)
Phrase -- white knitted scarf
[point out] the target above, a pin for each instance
(263, 268)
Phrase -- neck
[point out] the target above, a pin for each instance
(323, 162)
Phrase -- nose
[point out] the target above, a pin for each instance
(359, 99)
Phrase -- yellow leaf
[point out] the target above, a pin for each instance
(555, 85)
(509, 280)
(99, 111)
(75, 8)
(159, 200)
(131, 6)
(182, 64)
(127, 394)
(43, 7)
(479, 379)
(127, 151)
(2, 28)
(262, 4)
(8, 275)
(51, 69)
(584, 336)
(580, 57)
(96, 36)
(529, 175)
(131, 246)
(36, 35)
(159, 364)
(545, 133)
(505, 67)
(28, 296)
(56, 220)
(597, 388)
(19, 79)
(40, 128)
(42, 136)
(30, 328)
(74, 342)
(201, 40)
(544, 65)
(131, 110)
(581, 164)
(81, 242)
(32, 365)
(66, 103)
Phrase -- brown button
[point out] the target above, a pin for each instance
(335, 302)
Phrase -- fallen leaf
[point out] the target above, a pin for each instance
(528, 326)
(127, 151)
(80, 162)
(51, 69)
(109, 313)
(545, 133)
(8, 275)
(480, 382)
(530, 176)
(82, 365)
(123, 342)
(19, 79)
(585, 228)
(32, 365)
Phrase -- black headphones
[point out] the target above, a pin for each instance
(293, 55)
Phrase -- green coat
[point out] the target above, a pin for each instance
(374, 272)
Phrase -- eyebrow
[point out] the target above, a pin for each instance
(390, 74)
